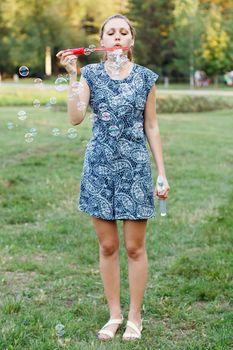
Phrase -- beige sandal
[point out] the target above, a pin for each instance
(107, 331)
(127, 336)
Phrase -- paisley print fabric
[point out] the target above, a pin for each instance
(116, 182)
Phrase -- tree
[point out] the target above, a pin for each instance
(28, 26)
(153, 21)
(186, 35)
(215, 44)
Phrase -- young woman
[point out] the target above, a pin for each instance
(116, 182)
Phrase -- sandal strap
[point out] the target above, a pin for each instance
(132, 335)
(134, 327)
(113, 321)
(107, 332)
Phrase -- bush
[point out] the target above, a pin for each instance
(188, 104)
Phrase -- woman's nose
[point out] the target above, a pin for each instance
(117, 35)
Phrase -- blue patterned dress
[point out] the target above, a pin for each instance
(116, 182)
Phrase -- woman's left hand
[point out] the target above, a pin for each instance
(163, 194)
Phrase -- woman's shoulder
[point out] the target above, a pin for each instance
(149, 77)
(145, 70)
(91, 67)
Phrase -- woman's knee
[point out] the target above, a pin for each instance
(135, 252)
(109, 248)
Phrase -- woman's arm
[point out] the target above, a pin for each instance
(151, 129)
(77, 103)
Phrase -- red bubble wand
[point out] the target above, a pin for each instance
(88, 51)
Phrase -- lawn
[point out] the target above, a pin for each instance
(49, 251)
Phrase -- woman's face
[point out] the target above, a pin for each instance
(116, 34)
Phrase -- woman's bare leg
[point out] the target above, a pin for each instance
(135, 244)
(108, 236)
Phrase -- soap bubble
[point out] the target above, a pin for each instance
(61, 84)
(77, 87)
(36, 103)
(105, 116)
(28, 137)
(81, 105)
(10, 125)
(92, 47)
(22, 115)
(53, 100)
(56, 132)
(38, 83)
(23, 71)
(114, 130)
(72, 133)
(93, 117)
(87, 52)
(137, 130)
(33, 131)
(48, 105)
(117, 100)
(71, 96)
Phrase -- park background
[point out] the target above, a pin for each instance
(48, 250)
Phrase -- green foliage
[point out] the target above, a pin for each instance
(174, 38)
(153, 21)
(27, 27)
(215, 44)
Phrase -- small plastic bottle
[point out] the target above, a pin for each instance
(162, 202)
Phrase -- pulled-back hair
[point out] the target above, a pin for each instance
(132, 30)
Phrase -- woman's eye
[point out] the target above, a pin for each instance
(110, 33)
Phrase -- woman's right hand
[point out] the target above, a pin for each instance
(69, 61)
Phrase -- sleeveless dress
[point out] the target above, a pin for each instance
(116, 181)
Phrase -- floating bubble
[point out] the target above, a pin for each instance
(36, 103)
(71, 96)
(81, 105)
(60, 84)
(92, 47)
(93, 117)
(28, 137)
(48, 105)
(56, 132)
(103, 107)
(137, 131)
(10, 125)
(114, 130)
(77, 87)
(126, 90)
(67, 77)
(106, 116)
(53, 100)
(87, 52)
(117, 100)
(33, 131)
(72, 133)
(22, 115)
(38, 83)
(24, 71)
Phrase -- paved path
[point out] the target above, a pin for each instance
(194, 92)
(160, 91)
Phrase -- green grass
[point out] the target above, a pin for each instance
(49, 251)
